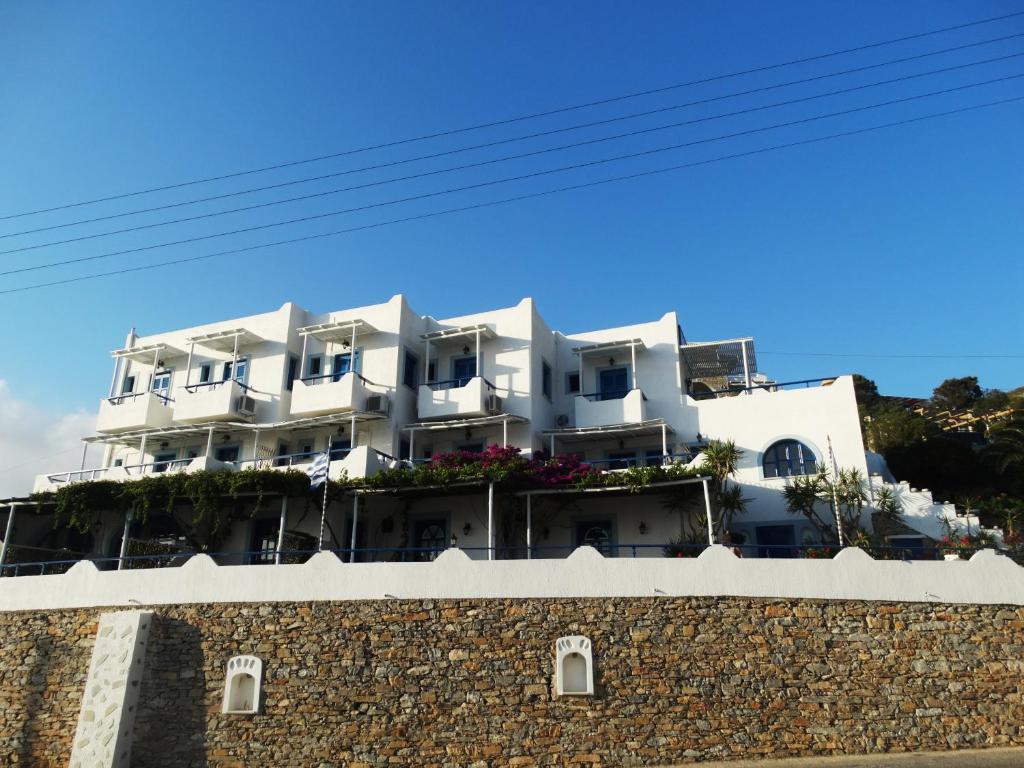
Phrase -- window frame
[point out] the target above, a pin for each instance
(771, 452)
(569, 376)
(415, 368)
(547, 375)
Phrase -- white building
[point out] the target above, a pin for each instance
(380, 385)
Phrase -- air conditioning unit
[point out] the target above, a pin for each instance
(562, 420)
(378, 404)
(245, 405)
(493, 404)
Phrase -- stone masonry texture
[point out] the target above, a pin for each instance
(470, 682)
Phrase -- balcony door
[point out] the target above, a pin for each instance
(613, 383)
(598, 534)
(343, 364)
(162, 384)
(463, 369)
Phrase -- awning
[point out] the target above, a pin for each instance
(224, 341)
(146, 352)
(462, 331)
(708, 359)
(635, 429)
(220, 427)
(610, 346)
(338, 331)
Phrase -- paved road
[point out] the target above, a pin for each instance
(964, 758)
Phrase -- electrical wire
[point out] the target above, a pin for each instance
(483, 184)
(521, 118)
(552, 132)
(518, 198)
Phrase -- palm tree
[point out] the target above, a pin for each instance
(1007, 445)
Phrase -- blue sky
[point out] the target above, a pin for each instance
(903, 241)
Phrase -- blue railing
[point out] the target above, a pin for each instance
(772, 387)
(518, 552)
(119, 399)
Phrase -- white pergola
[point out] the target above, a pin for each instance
(452, 425)
(718, 358)
(607, 347)
(221, 341)
(463, 332)
(146, 353)
(343, 332)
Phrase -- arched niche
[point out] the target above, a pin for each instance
(242, 686)
(574, 666)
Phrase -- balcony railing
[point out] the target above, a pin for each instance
(462, 397)
(132, 411)
(211, 401)
(330, 393)
(611, 407)
(457, 383)
(769, 387)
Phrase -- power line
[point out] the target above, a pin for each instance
(899, 356)
(554, 131)
(518, 198)
(483, 184)
(521, 118)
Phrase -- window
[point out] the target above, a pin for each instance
(162, 461)
(340, 447)
(227, 452)
(572, 383)
(432, 371)
(653, 457)
(129, 385)
(545, 378)
(613, 383)
(463, 369)
(293, 371)
(241, 369)
(574, 666)
(410, 373)
(474, 447)
(205, 373)
(403, 449)
(788, 458)
(282, 455)
(162, 383)
(315, 366)
(598, 534)
(306, 447)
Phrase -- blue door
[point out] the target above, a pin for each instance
(612, 384)
(596, 534)
(463, 369)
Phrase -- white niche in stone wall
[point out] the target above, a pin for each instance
(574, 666)
(242, 686)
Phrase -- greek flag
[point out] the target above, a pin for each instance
(318, 470)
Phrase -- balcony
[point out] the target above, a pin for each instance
(322, 395)
(606, 408)
(125, 413)
(457, 398)
(216, 401)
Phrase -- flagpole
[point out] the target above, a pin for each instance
(835, 494)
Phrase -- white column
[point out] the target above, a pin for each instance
(142, 454)
(8, 532)
(113, 381)
(124, 539)
(746, 365)
(583, 389)
(352, 427)
(529, 526)
(302, 360)
(355, 522)
(352, 354)
(426, 364)
(156, 362)
(255, 447)
(412, 445)
(479, 370)
(552, 444)
(209, 443)
(85, 451)
(504, 433)
(632, 352)
(664, 441)
(188, 365)
(707, 507)
(281, 528)
(234, 358)
(490, 521)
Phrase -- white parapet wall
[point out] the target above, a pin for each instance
(988, 578)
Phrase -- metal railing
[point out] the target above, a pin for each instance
(456, 383)
(120, 399)
(337, 376)
(769, 387)
(406, 554)
(610, 394)
(214, 384)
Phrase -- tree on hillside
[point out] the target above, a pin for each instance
(890, 427)
(956, 394)
(865, 390)
(1006, 447)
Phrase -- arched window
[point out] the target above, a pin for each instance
(788, 458)
(242, 686)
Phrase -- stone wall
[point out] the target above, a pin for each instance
(464, 682)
